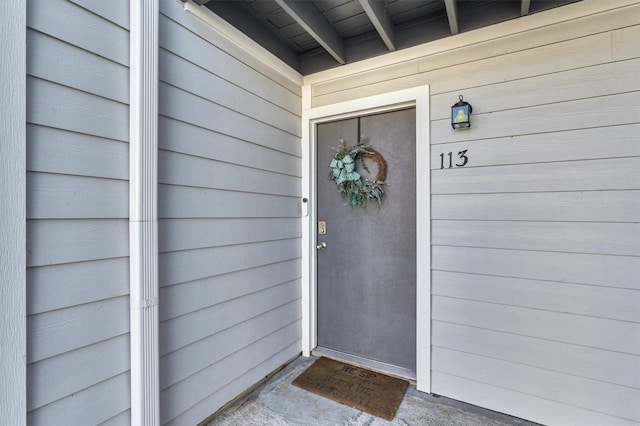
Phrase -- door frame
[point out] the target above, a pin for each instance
(417, 97)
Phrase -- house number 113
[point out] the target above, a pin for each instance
(461, 160)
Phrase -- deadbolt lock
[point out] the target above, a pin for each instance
(322, 227)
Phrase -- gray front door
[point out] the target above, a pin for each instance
(366, 275)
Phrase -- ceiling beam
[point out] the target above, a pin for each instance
(381, 20)
(452, 14)
(524, 7)
(313, 22)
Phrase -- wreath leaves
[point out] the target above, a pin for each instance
(342, 170)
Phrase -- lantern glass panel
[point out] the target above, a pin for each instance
(460, 116)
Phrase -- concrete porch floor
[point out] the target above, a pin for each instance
(278, 403)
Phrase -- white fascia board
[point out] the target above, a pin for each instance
(242, 41)
(515, 26)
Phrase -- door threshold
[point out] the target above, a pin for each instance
(358, 361)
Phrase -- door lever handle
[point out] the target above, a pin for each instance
(321, 246)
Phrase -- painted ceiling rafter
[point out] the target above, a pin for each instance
(452, 15)
(381, 20)
(314, 23)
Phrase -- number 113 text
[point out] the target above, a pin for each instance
(461, 160)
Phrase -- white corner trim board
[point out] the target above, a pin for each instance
(418, 97)
(143, 215)
(13, 326)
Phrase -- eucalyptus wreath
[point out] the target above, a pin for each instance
(342, 170)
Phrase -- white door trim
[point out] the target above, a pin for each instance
(418, 97)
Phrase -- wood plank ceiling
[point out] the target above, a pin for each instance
(314, 35)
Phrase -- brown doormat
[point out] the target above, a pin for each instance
(366, 390)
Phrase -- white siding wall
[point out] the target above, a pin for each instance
(536, 242)
(77, 209)
(229, 228)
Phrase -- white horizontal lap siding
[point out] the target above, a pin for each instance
(553, 279)
(77, 212)
(536, 240)
(229, 230)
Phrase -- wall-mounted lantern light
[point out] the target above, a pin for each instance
(460, 113)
